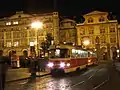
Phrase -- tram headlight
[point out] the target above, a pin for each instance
(89, 61)
(62, 64)
(50, 64)
(68, 64)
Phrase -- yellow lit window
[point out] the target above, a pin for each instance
(9, 44)
(16, 44)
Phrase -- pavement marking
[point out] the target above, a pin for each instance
(93, 74)
(88, 72)
(88, 78)
(78, 83)
(101, 84)
(23, 83)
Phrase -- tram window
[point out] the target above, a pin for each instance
(84, 54)
(63, 53)
(51, 53)
(59, 53)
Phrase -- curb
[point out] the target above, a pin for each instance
(26, 78)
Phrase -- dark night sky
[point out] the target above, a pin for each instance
(65, 7)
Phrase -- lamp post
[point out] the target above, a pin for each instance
(97, 46)
(86, 43)
(32, 48)
(118, 47)
(37, 25)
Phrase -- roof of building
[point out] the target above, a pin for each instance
(95, 13)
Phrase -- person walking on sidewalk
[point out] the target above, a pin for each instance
(32, 66)
(4, 61)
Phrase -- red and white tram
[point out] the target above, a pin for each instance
(67, 58)
(92, 58)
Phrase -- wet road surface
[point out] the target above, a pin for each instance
(95, 78)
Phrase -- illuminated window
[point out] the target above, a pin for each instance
(82, 31)
(24, 34)
(31, 43)
(101, 19)
(15, 22)
(9, 44)
(1, 44)
(57, 52)
(112, 28)
(8, 23)
(32, 33)
(103, 39)
(16, 34)
(102, 29)
(16, 44)
(90, 20)
(8, 35)
(91, 30)
(73, 50)
(24, 41)
(113, 40)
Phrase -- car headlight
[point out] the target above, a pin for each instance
(50, 64)
(62, 64)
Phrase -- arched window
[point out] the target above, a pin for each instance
(112, 28)
(103, 39)
(102, 29)
(82, 31)
(90, 20)
(91, 30)
(101, 19)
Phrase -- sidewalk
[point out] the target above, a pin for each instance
(117, 65)
(21, 74)
(104, 61)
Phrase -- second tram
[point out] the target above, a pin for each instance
(92, 58)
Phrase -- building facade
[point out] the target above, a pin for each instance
(68, 31)
(100, 32)
(16, 32)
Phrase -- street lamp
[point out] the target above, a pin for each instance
(37, 25)
(86, 43)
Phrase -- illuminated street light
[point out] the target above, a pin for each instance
(37, 25)
(95, 49)
(86, 42)
(117, 50)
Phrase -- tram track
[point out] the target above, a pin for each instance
(89, 78)
(52, 83)
(49, 82)
(81, 82)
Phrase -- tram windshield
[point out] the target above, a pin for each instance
(92, 54)
(59, 53)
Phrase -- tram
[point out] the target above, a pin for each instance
(92, 58)
(68, 58)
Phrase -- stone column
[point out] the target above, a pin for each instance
(12, 42)
(56, 27)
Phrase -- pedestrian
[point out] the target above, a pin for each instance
(4, 62)
(42, 65)
(32, 66)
